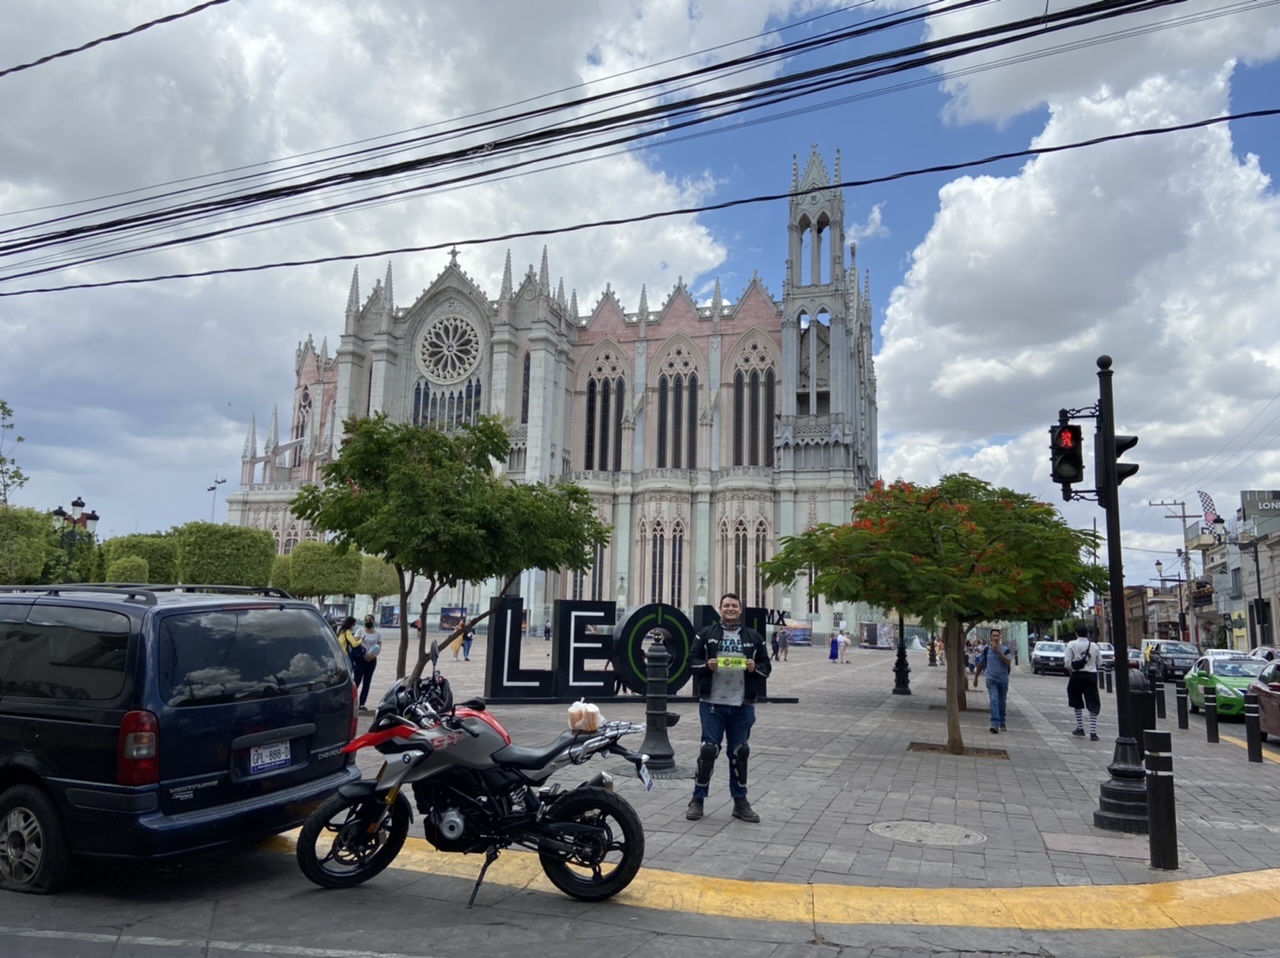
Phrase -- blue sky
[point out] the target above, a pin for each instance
(994, 290)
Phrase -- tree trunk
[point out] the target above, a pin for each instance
(953, 641)
(402, 656)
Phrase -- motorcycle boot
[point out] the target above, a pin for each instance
(695, 810)
(743, 811)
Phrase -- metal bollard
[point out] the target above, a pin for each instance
(1160, 702)
(1107, 680)
(1252, 727)
(1180, 696)
(1210, 714)
(656, 745)
(1162, 820)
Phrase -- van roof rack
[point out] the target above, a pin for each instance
(145, 594)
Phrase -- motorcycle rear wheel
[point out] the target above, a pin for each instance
(336, 849)
(609, 849)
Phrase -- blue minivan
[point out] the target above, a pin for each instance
(150, 721)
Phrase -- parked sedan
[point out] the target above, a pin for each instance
(1267, 653)
(1171, 660)
(1049, 657)
(1267, 687)
(1229, 678)
(1107, 651)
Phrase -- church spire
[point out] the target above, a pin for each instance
(506, 278)
(544, 277)
(251, 440)
(273, 434)
(353, 300)
(644, 302)
(387, 304)
(573, 306)
(560, 295)
(715, 299)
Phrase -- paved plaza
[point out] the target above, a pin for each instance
(867, 847)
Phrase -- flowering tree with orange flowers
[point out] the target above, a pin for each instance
(955, 554)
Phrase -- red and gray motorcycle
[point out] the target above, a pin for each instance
(477, 791)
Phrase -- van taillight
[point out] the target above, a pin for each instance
(355, 712)
(138, 757)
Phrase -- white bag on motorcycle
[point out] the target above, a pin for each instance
(583, 717)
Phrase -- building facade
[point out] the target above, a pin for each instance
(703, 432)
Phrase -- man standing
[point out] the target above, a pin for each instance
(1082, 660)
(729, 663)
(371, 639)
(994, 660)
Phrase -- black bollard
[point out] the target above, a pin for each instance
(657, 746)
(1160, 703)
(933, 653)
(1252, 727)
(1210, 714)
(1108, 679)
(1142, 711)
(1162, 820)
(1180, 697)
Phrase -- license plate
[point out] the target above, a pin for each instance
(264, 758)
(643, 772)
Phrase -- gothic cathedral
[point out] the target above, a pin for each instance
(704, 433)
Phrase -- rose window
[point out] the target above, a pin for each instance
(449, 349)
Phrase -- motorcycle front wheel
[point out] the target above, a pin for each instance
(606, 841)
(347, 841)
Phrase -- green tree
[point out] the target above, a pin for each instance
(11, 477)
(956, 554)
(377, 578)
(160, 552)
(28, 546)
(431, 505)
(128, 569)
(212, 554)
(281, 573)
(317, 569)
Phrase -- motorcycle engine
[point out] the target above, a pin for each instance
(446, 825)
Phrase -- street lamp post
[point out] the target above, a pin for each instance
(214, 489)
(69, 523)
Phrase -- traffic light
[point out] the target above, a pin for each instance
(1123, 469)
(1066, 456)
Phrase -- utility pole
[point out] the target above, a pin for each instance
(1182, 515)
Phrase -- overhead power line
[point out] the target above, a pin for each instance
(662, 214)
(112, 37)
(693, 111)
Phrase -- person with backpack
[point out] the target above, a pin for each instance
(995, 660)
(1082, 659)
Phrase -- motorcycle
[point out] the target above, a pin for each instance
(477, 791)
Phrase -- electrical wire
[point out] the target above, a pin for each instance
(685, 211)
(111, 38)
(702, 109)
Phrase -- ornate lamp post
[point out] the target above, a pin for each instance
(214, 489)
(69, 523)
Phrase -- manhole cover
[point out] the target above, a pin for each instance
(928, 833)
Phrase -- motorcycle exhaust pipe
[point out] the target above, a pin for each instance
(601, 780)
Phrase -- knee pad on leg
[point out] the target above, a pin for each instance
(738, 761)
(706, 762)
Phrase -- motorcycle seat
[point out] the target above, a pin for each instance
(536, 756)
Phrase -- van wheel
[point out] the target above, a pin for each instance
(34, 856)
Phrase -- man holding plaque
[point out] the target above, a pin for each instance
(729, 663)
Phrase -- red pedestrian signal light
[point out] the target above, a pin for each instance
(1066, 457)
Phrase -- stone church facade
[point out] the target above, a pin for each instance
(704, 433)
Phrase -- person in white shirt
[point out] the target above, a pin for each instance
(372, 641)
(1082, 660)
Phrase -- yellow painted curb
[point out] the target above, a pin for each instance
(1222, 900)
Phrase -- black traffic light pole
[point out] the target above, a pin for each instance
(1123, 805)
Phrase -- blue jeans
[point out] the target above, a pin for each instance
(997, 692)
(719, 721)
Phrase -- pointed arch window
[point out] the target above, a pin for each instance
(524, 391)
(662, 422)
(741, 560)
(754, 406)
(692, 428)
(761, 554)
(814, 598)
(677, 421)
(302, 422)
(677, 566)
(657, 551)
(418, 391)
(603, 416)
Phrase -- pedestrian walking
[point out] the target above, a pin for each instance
(784, 642)
(546, 631)
(353, 647)
(371, 642)
(1082, 660)
(774, 645)
(834, 655)
(842, 640)
(994, 660)
(729, 663)
(467, 639)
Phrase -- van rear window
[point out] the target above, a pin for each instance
(232, 655)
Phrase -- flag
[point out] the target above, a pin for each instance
(1206, 505)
